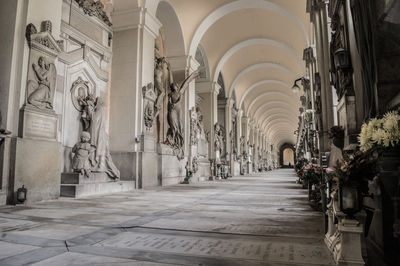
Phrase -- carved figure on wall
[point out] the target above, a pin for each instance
(93, 117)
(200, 125)
(87, 104)
(41, 91)
(83, 151)
(84, 100)
(149, 98)
(159, 81)
(195, 164)
(194, 138)
(175, 136)
(100, 139)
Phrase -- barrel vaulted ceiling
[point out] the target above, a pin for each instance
(257, 45)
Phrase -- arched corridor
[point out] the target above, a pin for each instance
(262, 219)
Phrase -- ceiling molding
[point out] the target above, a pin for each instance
(262, 82)
(252, 42)
(239, 5)
(255, 67)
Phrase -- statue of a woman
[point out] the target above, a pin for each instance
(100, 139)
(175, 136)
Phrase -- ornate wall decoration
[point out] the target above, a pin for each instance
(194, 140)
(42, 73)
(94, 8)
(93, 118)
(84, 100)
(341, 74)
(149, 98)
(195, 164)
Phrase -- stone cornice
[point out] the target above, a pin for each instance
(183, 63)
(136, 19)
(208, 87)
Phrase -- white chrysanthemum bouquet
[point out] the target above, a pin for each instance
(380, 133)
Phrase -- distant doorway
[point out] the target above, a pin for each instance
(287, 155)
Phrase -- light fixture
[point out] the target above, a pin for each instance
(21, 194)
(342, 59)
(349, 199)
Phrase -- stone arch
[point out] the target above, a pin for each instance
(262, 95)
(171, 25)
(262, 82)
(201, 58)
(282, 104)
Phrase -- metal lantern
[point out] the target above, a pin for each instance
(350, 199)
(342, 59)
(21, 194)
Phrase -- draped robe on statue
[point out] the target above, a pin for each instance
(99, 138)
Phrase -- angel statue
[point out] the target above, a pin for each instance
(175, 136)
(41, 92)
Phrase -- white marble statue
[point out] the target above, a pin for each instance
(175, 136)
(103, 160)
(42, 90)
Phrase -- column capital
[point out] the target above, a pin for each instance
(230, 102)
(135, 19)
(208, 87)
(183, 63)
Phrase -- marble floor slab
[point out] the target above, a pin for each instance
(261, 219)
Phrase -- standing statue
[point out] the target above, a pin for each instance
(159, 79)
(40, 92)
(336, 133)
(83, 151)
(175, 136)
(100, 139)
(200, 125)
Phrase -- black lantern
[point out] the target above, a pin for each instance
(342, 59)
(350, 199)
(21, 194)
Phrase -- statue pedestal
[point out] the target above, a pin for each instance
(171, 170)
(148, 167)
(37, 166)
(344, 240)
(75, 185)
(203, 172)
(38, 124)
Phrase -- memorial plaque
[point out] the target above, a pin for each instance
(37, 124)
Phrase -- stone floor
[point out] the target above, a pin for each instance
(261, 219)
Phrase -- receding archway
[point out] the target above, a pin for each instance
(287, 155)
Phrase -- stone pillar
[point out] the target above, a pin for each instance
(239, 131)
(245, 133)
(13, 17)
(134, 37)
(209, 92)
(319, 18)
(228, 125)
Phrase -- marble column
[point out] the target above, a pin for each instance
(209, 92)
(239, 131)
(134, 37)
(319, 18)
